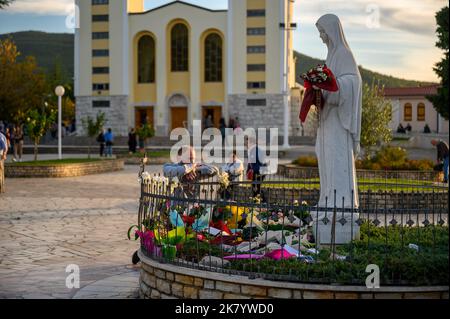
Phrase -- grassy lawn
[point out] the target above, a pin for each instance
(364, 184)
(58, 162)
(152, 154)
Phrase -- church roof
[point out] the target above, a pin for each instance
(180, 2)
(411, 91)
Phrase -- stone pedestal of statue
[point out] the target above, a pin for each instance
(344, 232)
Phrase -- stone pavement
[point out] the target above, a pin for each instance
(48, 224)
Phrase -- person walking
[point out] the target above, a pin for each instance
(132, 145)
(101, 141)
(442, 156)
(209, 122)
(255, 168)
(18, 143)
(109, 140)
(3, 155)
(8, 137)
(223, 129)
(232, 123)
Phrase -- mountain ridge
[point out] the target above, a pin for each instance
(51, 47)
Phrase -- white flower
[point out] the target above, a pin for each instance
(145, 178)
(224, 180)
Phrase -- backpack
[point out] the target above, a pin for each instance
(101, 138)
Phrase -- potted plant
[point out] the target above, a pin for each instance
(144, 133)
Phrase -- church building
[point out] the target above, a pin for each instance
(180, 62)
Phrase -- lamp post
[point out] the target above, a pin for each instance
(286, 26)
(59, 91)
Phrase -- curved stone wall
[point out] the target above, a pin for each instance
(63, 170)
(165, 281)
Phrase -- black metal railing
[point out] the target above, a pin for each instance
(274, 229)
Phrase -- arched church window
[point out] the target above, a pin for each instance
(146, 59)
(421, 113)
(407, 112)
(180, 48)
(213, 58)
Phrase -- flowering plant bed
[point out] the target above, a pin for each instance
(277, 243)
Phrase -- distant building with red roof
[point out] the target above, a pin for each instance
(410, 106)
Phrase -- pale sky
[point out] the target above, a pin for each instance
(395, 37)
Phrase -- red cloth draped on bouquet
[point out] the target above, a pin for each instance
(321, 77)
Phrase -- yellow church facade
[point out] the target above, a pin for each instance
(180, 62)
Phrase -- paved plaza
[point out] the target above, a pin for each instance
(48, 224)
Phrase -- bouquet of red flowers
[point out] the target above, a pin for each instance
(321, 77)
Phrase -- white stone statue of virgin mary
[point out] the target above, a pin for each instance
(338, 137)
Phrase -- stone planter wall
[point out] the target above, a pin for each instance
(63, 170)
(165, 281)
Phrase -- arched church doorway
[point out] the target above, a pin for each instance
(179, 106)
(215, 114)
(144, 115)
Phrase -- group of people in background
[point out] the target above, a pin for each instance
(14, 135)
(11, 139)
(3, 154)
(233, 124)
(66, 130)
(408, 129)
(403, 130)
(106, 141)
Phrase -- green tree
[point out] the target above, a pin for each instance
(440, 101)
(376, 115)
(144, 133)
(23, 84)
(5, 3)
(93, 127)
(38, 123)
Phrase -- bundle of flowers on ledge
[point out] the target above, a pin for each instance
(235, 233)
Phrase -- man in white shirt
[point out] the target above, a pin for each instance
(235, 169)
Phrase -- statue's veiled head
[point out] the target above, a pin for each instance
(331, 31)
